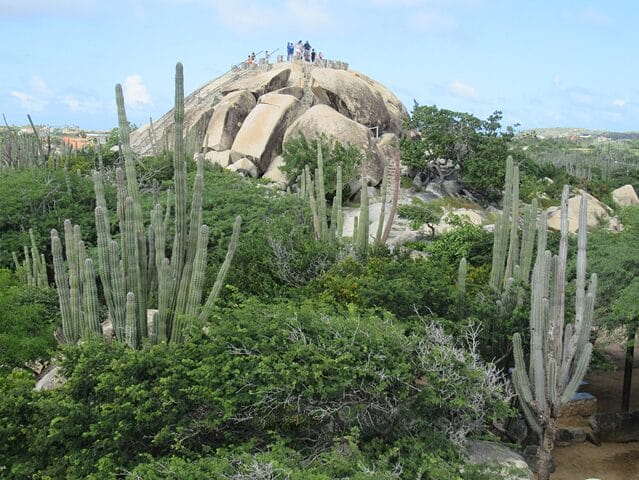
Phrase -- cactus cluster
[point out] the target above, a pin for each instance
(312, 188)
(136, 271)
(512, 256)
(33, 269)
(559, 353)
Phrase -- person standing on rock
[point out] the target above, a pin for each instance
(267, 56)
(313, 56)
(307, 51)
(289, 51)
(298, 49)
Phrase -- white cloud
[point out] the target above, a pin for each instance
(85, 105)
(135, 92)
(462, 89)
(29, 102)
(619, 102)
(433, 22)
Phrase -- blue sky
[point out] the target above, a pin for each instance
(543, 63)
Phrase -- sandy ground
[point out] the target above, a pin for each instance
(610, 461)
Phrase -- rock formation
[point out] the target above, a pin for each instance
(248, 113)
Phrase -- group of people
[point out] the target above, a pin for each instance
(294, 51)
(302, 51)
(251, 58)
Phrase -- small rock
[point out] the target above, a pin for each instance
(52, 379)
(482, 451)
(245, 167)
(569, 436)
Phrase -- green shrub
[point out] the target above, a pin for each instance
(39, 199)
(299, 152)
(28, 318)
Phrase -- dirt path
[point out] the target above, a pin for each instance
(610, 461)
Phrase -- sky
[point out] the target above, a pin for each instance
(542, 63)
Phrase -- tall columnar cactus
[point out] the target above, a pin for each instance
(559, 354)
(462, 272)
(137, 270)
(361, 240)
(77, 290)
(512, 257)
(33, 269)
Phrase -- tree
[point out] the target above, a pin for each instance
(478, 147)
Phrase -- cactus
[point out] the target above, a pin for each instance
(137, 270)
(361, 240)
(462, 272)
(559, 355)
(33, 270)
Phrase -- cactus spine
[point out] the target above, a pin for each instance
(559, 355)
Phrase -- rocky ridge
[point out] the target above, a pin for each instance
(241, 119)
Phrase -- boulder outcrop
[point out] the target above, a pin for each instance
(350, 96)
(260, 137)
(246, 111)
(227, 119)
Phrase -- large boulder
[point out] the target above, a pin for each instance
(597, 212)
(350, 96)
(262, 82)
(322, 119)
(260, 137)
(625, 196)
(396, 110)
(227, 119)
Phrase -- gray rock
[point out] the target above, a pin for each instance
(569, 436)
(421, 180)
(616, 427)
(517, 429)
(451, 187)
(50, 380)
(435, 189)
(512, 466)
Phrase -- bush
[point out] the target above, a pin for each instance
(299, 152)
(40, 199)
(299, 373)
(28, 318)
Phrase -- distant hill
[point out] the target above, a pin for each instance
(565, 132)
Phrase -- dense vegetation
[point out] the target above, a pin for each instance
(319, 361)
